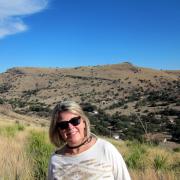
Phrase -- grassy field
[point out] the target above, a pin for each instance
(25, 151)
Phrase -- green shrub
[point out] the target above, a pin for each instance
(10, 131)
(39, 151)
(4, 87)
(19, 127)
(160, 162)
(1, 101)
(177, 149)
(36, 108)
(135, 159)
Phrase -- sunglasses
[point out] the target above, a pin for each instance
(65, 124)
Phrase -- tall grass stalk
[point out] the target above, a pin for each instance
(39, 150)
(136, 156)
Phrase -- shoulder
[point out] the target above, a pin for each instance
(109, 151)
(57, 154)
(60, 151)
(106, 145)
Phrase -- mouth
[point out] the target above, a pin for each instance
(70, 133)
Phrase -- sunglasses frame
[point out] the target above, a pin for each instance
(75, 121)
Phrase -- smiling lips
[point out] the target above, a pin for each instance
(70, 133)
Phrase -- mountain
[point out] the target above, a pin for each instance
(146, 97)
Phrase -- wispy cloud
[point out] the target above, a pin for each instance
(13, 11)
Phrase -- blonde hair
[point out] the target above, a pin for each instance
(69, 106)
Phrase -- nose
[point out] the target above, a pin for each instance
(70, 126)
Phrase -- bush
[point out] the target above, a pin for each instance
(15, 102)
(1, 101)
(20, 127)
(88, 107)
(36, 108)
(134, 159)
(177, 149)
(4, 88)
(10, 131)
(160, 162)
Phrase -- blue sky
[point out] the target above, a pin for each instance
(71, 33)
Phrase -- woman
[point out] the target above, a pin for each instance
(83, 155)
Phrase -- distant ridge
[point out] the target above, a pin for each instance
(54, 84)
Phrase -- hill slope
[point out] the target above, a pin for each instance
(117, 90)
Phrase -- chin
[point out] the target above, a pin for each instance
(74, 140)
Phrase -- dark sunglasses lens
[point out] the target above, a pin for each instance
(63, 125)
(75, 121)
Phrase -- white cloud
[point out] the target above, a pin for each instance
(12, 12)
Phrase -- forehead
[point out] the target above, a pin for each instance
(66, 115)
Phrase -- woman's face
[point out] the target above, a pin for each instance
(72, 134)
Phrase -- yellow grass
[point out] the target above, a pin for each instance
(13, 160)
(150, 174)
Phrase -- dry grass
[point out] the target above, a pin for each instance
(150, 174)
(154, 163)
(13, 160)
(14, 163)
(8, 116)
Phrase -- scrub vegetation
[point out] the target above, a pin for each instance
(24, 155)
(131, 101)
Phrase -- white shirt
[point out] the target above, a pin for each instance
(102, 161)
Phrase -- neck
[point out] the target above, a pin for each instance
(78, 146)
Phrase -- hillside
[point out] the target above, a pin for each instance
(129, 100)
